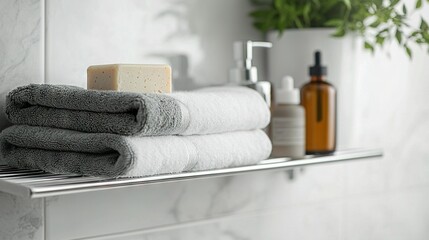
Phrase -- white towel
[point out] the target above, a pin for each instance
(221, 109)
(111, 155)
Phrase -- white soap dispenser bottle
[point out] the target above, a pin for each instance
(288, 122)
(244, 73)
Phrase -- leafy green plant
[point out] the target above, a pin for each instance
(377, 21)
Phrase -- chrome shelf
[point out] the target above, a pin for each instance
(37, 184)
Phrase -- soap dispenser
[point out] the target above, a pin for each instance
(244, 73)
(288, 122)
(318, 97)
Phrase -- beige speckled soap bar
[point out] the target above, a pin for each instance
(130, 78)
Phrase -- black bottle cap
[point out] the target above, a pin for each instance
(318, 69)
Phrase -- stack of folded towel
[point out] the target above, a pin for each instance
(65, 129)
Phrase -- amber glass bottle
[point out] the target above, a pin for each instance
(318, 97)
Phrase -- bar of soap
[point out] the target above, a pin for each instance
(139, 78)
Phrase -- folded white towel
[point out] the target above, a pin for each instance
(212, 110)
(221, 109)
(194, 153)
(101, 154)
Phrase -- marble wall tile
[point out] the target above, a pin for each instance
(380, 199)
(21, 52)
(409, 146)
(123, 210)
(152, 206)
(21, 218)
(396, 215)
(386, 199)
(87, 32)
(21, 62)
(303, 222)
(392, 114)
(365, 177)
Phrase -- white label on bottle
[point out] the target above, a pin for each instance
(287, 131)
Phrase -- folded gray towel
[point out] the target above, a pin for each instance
(212, 110)
(111, 155)
(93, 111)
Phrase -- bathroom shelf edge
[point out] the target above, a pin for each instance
(71, 184)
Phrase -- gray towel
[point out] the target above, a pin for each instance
(93, 111)
(111, 155)
(212, 110)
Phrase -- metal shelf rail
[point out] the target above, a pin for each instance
(37, 184)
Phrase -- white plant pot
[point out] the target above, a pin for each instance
(293, 53)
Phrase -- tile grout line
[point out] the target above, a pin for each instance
(174, 226)
(44, 39)
(43, 60)
(44, 217)
(263, 212)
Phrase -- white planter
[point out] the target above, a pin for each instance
(293, 53)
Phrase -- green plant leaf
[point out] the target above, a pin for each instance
(423, 25)
(425, 36)
(278, 4)
(334, 23)
(377, 21)
(398, 36)
(397, 20)
(380, 40)
(375, 24)
(260, 13)
(260, 26)
(408, 51)
(340, 32)
(298, 23)
(317, 2)
(261, 2)
(348, 4)
(379, 3)
(419, 4)
(385, 30)
(282, 23)
(369, 46)
(306, 13)
(414, 34)
(394, 2)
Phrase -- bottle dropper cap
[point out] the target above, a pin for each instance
(286, 94)
(318, 69)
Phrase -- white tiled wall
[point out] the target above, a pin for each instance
(21, 62)
(374, 199)
(287, 223)
(87, 32)
(156, 207)
(21, 51)
(394, 215)
(20, 218)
